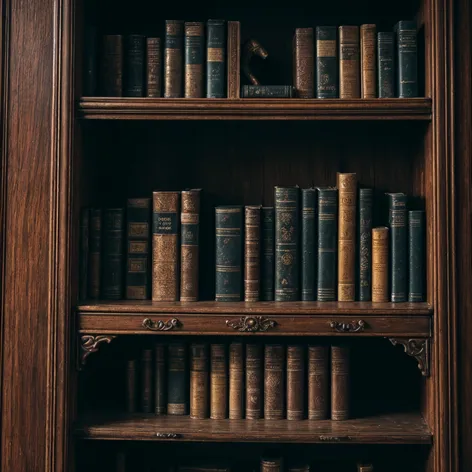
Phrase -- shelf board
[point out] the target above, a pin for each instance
(105, 108)
(404, 428)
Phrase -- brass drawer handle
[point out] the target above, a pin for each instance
(168, 435)
(354, 327)
(160, 325)
(251, 324)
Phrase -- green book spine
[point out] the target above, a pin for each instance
(416, 260)
(407, 57)
(309, 204)
(177, 385)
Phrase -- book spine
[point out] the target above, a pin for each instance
(339, 383)
(295, 382)
(416, 261)
(236, 381)
(304, 62)
(90, 59)
(349, 70)
(272, 464)
(268, 91)
(113, 236)
(112, 66)
(173, 59)
(84, 252)
(95, 253)
(228, 253)
(134, 69)
(368, 61)
(253, 381)
(252, 258)
(138, 253)
(287, 210)
(165, 241)
(176, 379)
(407, 51)
(326, 62)
(386, 64)
(365, 468)
(146, 381)
(120, 462)
(234, 59)
(398, 246)
(327, 241)
(160, 380)
(153, 67)
(194, 58)
(219, 382)
(268, 253)
(309, 205)
(274, 366)
(380, 265)
(216, 59)
(318, 383)
(365, 244)
(189, 245)
(199, 391)
(131, 403)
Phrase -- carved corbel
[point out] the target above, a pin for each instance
(419, 349)
(91, 343)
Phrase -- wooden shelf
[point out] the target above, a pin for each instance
(253, 109)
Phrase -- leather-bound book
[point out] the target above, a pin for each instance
(177, 379)
(95, 253)
(111, 72)
(120, 462)
(318, 382)
(365, 468)
(340, 388)
(365, 244)
(219, 382)
(199, 380)
(349, 67)
(327, 243)
(416, 255)
(347, 188)
(228, 221)
(326, 62)
(254, 373)
(131, 382)
(194, 59)
(272, 464)
(407, 59)
(159, 379)
(308, 256)
(386, 64)
(274, 377)
(174, 59)
(189, 245)
(304, 62)
(113, 238)
(153, 67)
(165, 246)
(236, 381)
(267, 254)
(138, 271)
(146, 381)
(268, 91)
(134, 65)
(84, 252)
(368, 61)
(397, 216)
(287, 211)
(234, 59)
(295, 382)
(216, 59)
(252, 253)
(380, 264)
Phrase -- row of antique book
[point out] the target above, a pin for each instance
(356, 63)
(239, 381)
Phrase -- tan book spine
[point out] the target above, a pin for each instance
(252, 253)
(120, 462)
(159, 380)
(234, 59)
(349, 68)
(274, 367)
(340, 390)
(236, 381)
(380, 265)
(219, 382)
(199, 382)
(174, 59)
(318, 382)
(368, 61)
(131, 386)
(272, 464)
(146, 381)
(254, 373)
(304, 62)
(153, 67)
(347, 187)
(295, 382)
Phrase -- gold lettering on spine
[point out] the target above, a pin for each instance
(368, 61)
(215, 55)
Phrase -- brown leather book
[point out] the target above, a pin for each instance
(234, 59)
(189, 245)
(199, 382)
(219, 382)
(304, 62)
(174, 59)
(368, 61)
(120, 462)
(131, 376)
(272, 464)
(236, 381)
(95, 253)
(318, 382)
(380, 265)
(254, 373)
(349, 69)
(165, 245)
(146, 381)
(153, 67)
(159, 380)
(111, 74)
(274, 388)
(295, 382)
(340, 383)
(252, 253)
(347, 187)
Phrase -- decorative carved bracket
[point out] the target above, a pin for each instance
(90, 343)
(251, 324)
(160, 325)
(417, 348)
(354, 327)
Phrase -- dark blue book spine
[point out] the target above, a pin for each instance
(326, 62)
(365, 244)
(386, 64)
(177, 385)
(407, 54)
(416, 261)
(216, 59)
(268, 254)
(309, 204)
(134, 70)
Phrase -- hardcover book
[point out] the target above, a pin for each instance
(326, 62)
(318, 382)
(267, 91)
(177, 379)
(365, 244)
(160, 380)
(416, 260)
(95, 253)
(295, 382)
(219, 382)
(368, 61)
(272, 464)
(380, 265)
(407, 58)
(111, 75)
(153, 67)
(146, 381)
(134, 65)
(304, 62)
(194, 58)
(274, 384)
(236, 381)
(131, 382)
(386, 64)
(199, 380)
(216, 59)
(349, 70)
(267, 254)
(254, 375)
(252, 256)
(174, 59)
(234, 59)
(340, 388)
(308, 252)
